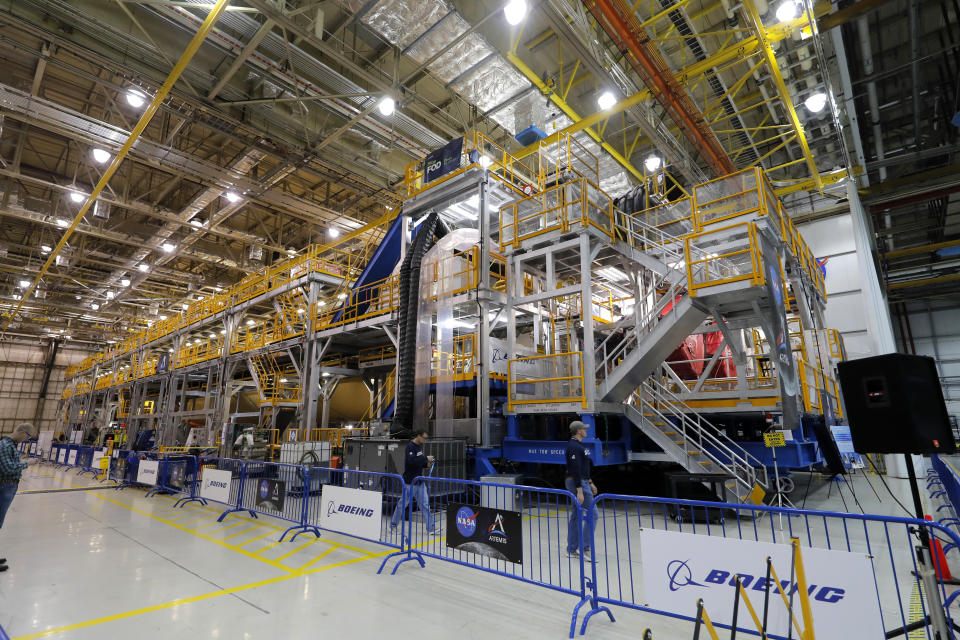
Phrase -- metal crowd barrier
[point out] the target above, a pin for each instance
(85, 460)
(340, 512)
(235, 467)
(523, 533)
(943, 481)
(617, 570)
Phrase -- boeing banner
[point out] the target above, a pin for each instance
(494, 533)
(356, 512)
(681, 568)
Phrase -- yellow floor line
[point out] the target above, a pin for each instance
(319, 557)
(256, 526)
(182, 601)
(198, 520)
(221, 529)
(262, 535)
(199, 535)
(269, 546)
(916, 613)
(303, 546)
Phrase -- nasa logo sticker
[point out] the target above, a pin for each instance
(466, 521)
(264, 489)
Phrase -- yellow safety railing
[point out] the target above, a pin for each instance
(566, 154)
(377, 354)
(545, 379)
(579, 201)
(477, 151)
(195, 351)
(672, 218)
(743, 262)
(371, 300)
(381, 400)
(336, 435)
(275, 385)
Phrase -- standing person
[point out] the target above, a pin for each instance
(414, 462)
(10, 470)
(578, 483)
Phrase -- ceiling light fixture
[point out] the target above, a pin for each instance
(816, 102)
(652, 163)
(94, 306)
(63, 223)
(333, 233)
(76, 196)
(250, 323)
(167, 247)
(110, 295)
(45, 248)
(143, 267)
(24, 284)
(515, 12)
(606, 100)
(125, 282)
(485, 161)
(232, 197)
(387, 106)
(100, 155)
(197, 222)
(163, 317)
(135, 99)
(787, 11)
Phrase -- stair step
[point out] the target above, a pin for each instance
(731, 485)
(679, 442)
(660, 424)
(706, 463)
(694, 453)
(669, 433)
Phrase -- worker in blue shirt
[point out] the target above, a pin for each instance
(414, 462)
(578, 483)
(10, 470)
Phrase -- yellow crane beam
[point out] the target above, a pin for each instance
(215, 12)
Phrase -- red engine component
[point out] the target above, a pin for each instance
(724, 368)
(687, 359)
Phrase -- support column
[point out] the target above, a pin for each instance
(484, 296)
(310, 372)
(586, 316)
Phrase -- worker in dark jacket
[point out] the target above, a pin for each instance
(578, 483)
(414, 462)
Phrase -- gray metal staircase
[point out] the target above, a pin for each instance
(692, 442)
(626, 361)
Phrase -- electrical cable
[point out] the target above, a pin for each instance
(887, 487)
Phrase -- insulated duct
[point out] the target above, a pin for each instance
(409, 301)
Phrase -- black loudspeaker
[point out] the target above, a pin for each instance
(895, 404)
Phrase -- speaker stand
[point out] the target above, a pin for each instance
(936, 619)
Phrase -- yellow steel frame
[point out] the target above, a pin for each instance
(511, 382)
(755, 276)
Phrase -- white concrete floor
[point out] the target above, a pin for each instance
(101, 563)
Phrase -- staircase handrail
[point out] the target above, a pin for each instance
(705, 427)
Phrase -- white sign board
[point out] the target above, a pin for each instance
(352, 511)
(147, 472)
(62, 456)
(44, 440)
(95, 460)
(216, 485)
(33, 448)
(75, 437)
(72, 457)
(680, 568)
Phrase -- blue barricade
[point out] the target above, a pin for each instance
(85, 460)
(886, 541)
(516, 531)
(235, 489)
(275, 489)
(359, 504)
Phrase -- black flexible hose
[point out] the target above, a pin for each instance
(409, 300)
